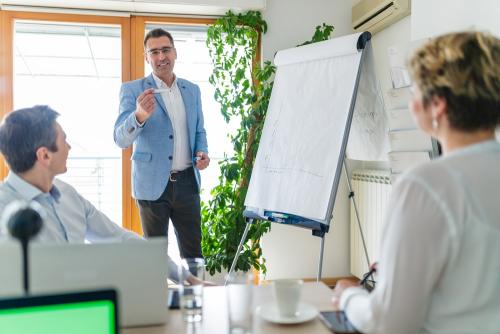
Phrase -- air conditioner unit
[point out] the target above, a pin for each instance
(375, 15)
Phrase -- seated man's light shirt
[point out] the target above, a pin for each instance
(439, 268)
(69, 217)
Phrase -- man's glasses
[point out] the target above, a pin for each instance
(156, 52)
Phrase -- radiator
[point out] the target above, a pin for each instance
(371, 192)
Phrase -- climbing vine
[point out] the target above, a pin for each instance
(243, 89)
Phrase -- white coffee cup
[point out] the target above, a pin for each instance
(287, 293)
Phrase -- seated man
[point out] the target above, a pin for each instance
(35, 148)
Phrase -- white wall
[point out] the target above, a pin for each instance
(461, 15)
(291, 22)
(292, 251)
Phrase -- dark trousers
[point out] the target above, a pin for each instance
(180, 202)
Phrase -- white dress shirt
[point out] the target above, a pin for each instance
(176, 110)
(439, 269)
(69, 217)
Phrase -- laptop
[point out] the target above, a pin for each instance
(136, 269)
(77, 313)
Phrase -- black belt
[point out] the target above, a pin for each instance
(176, 174)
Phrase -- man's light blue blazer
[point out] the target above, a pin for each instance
(153, 143)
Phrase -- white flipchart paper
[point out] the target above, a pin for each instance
(368, 137)
(300, 147)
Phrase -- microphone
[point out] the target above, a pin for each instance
(24, 221)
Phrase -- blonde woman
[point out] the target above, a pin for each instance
(439, 268)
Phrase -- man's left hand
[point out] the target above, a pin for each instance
(340, 286)
(193, 280)
(203, 160)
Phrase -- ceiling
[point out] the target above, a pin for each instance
(191, 7)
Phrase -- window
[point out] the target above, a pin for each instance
(76, 69)
(75, 64)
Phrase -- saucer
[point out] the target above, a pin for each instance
(270, 313)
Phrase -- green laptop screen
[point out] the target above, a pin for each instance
(96, 317)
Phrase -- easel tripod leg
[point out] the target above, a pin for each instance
(240, 246)
(357, 214)
(321, 251)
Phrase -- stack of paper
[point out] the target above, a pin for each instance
(409, 146)
(401, 161)
(399, 73)
(409, 140)
(398, 98)
(400, 119)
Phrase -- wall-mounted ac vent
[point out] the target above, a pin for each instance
(375, 15)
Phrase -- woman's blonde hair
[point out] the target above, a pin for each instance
(464, 69)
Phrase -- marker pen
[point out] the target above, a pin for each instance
(159, 90)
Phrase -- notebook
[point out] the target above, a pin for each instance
(136, 269)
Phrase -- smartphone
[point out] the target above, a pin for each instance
(337, 322)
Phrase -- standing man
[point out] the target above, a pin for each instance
(161, 116)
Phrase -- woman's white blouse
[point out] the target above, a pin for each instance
(439, 268)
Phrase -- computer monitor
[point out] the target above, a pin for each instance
(77, 313)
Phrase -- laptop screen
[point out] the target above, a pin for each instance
(88, 312)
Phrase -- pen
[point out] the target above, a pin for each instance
(159, 90)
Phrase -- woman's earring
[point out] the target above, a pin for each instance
(435, 124)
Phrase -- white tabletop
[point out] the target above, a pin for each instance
(215, 313)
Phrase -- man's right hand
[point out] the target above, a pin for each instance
(145, 105)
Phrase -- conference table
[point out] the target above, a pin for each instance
(215, 319)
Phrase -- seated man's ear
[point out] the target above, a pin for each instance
(43, 155)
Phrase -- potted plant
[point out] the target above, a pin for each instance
(243, 88)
